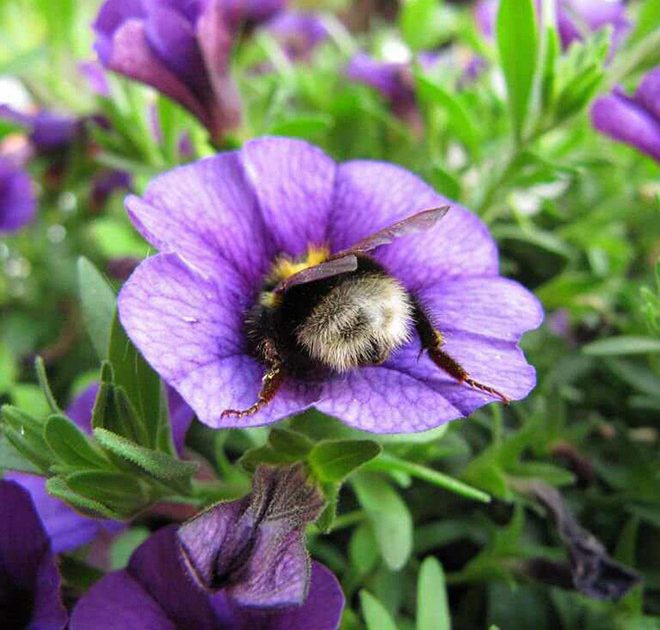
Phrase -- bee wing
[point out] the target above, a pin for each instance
(327, 269)
(416, 223)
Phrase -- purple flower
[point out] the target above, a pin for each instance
(94, 74)
(250, 12)
(105, 184)
(392, 80)
(49, 132)
(298, 33)
(634, 120)
(29, 579)
(18, 203)
(180, 48)
(66, 528)
(225, 223)
(575, 18)
(249, 557)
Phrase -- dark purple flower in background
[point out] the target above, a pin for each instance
(29, 578)
(298, 33)
(180, 48)
(221, 224)
(18, 203)
(240, 13)
(575, 18)
(634, 120)
(49, 132)
(104, 185)
(240, 565)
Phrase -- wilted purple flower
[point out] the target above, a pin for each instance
(298, 33)
(634, 120)
(248, 558)
(575, 18)
(225, 223)
(18, 203)
(29, 579)
(49, 132)
(180, 48)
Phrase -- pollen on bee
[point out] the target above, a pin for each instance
(269, 299)
(285, 266)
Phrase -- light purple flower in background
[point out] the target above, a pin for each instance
(49, 132)
(29, 578)
(298, 33)
(220, 225)
(18, 203)
(94, 74)
(180, 48)
(575, 18)
(249, 557)
(635, 119)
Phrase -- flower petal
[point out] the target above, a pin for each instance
(118, 602)
(624, 120)
(157, 565)
(207, 213)
(111, 16)
(66, 528)
(131, 55)
(496, 307)
(294, 183)
(27, 564)
(164, 300)
(648, 93)
(371, 195)
(18, 203)
(386, 399)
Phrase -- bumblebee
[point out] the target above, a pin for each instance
(329, 313)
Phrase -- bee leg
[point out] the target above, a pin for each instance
(270, 383)
(432, 342)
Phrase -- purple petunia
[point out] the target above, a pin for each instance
(29, 578)
(634, 120)
(298, 33)
(575, 18)
(180, 48)
(247, 557)
(221, 224)
(18, 203)
(50, 132)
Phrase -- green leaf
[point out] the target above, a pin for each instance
(70, 445)
(303, 126)
(58, 488)
(8, 369)
(264, 455)
(25, 434)
(159, 465)
(362, 549)
(420, 24)
(389, 516)
(549, 67)
(517, 46)
(124, 545)
(12, 459)
(143, 388)
(461, 123)
(120, 492)
(432, 604)
(331, 493)
(290, 443)
(42, 378)
(621, 346)
(334, 460)
(648, 18)
(113, 411)
(97, 301)
(375, 614)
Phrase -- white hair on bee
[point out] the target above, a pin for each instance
(359, 322)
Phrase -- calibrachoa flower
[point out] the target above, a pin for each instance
(66, 528)
(574, 18)
(634, 120)
(29, 579)
(298, 33)
(49, 132)
(180, 48)
(18, 203)
(230, 225)
(249, 562)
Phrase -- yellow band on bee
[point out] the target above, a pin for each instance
(284, 266)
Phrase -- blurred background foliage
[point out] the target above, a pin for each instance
(575, 214)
